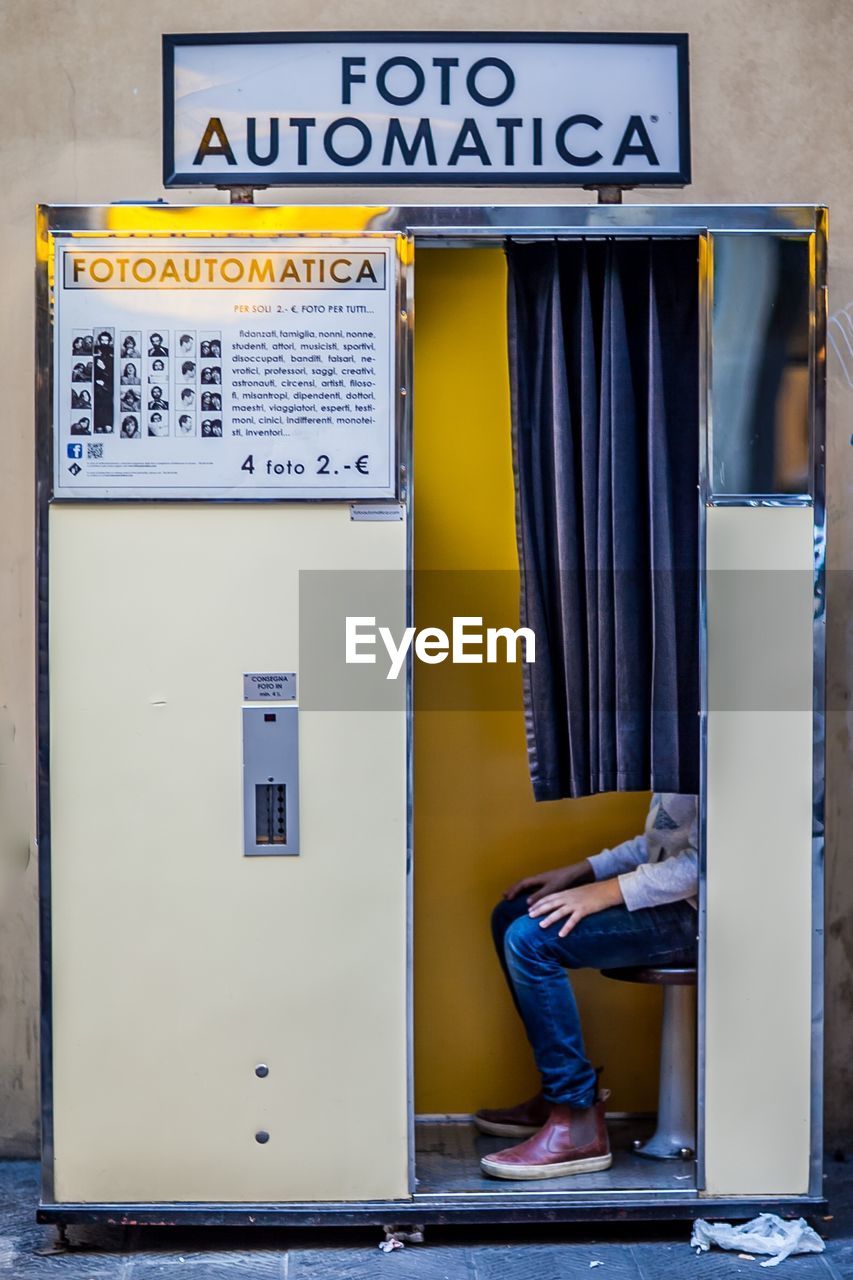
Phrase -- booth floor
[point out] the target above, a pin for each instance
(449, 1153)
(626, 1251)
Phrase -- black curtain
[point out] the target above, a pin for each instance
(603, 347)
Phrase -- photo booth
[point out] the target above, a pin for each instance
(268, 988)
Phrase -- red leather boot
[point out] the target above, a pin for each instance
(514, 1122)
(572, 1140)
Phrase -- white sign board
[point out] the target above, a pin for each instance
(269, 686)
(563, 108)
(228, 367)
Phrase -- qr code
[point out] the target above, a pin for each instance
(95, 450)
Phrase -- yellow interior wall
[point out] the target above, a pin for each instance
(477, 828)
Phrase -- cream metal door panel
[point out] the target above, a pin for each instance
(759, 851)
(179, 965)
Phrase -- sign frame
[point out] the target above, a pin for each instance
(165, 225)
(255, 178)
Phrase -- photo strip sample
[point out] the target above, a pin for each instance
(153, 383)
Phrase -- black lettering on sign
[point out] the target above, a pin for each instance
(444, 65)
(349, 77)
(476, 146)
(509, 124)
(643, 147)
(207, 147)
(347, 122)
(400, 99)
(509, 82)
(302, 124)
(252, 141)
(571, 157)
(409, 150)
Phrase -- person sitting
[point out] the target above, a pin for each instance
(631, 905)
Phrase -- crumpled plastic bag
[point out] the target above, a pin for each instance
(765, 1234)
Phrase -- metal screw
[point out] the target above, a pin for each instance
(262, 1070)
(262, 1136)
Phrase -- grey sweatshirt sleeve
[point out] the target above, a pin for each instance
(673, 879)
(625, 857)
(655, 883)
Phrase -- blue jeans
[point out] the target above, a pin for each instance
(534, 961)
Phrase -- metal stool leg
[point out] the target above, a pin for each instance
(675, 1135)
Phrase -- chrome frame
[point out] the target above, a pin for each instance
(457, 226)
(706, 312)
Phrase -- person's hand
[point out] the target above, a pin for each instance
(572, 905)
(548, 882)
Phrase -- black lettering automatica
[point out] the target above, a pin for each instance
(348, 141)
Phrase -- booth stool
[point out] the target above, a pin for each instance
(675, 1135)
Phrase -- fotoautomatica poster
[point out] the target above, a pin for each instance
(238, 367)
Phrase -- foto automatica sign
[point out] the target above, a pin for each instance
(396, 108)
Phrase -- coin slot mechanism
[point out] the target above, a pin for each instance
(270, 812)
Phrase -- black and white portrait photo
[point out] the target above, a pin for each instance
(130, 348)
(130, 374)
(158, 424)
(81, 399)
(82, 371)
(157, 399)
(157, 345)
(211, 427)
(103, 376)
(210, 346)
(81, 344)
(130, 427)
(211, 374)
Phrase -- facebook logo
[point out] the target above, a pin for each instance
(75, 450)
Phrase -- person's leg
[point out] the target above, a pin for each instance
(537, 959)
(574, 1137)
(524, 1118)
(504, 915)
